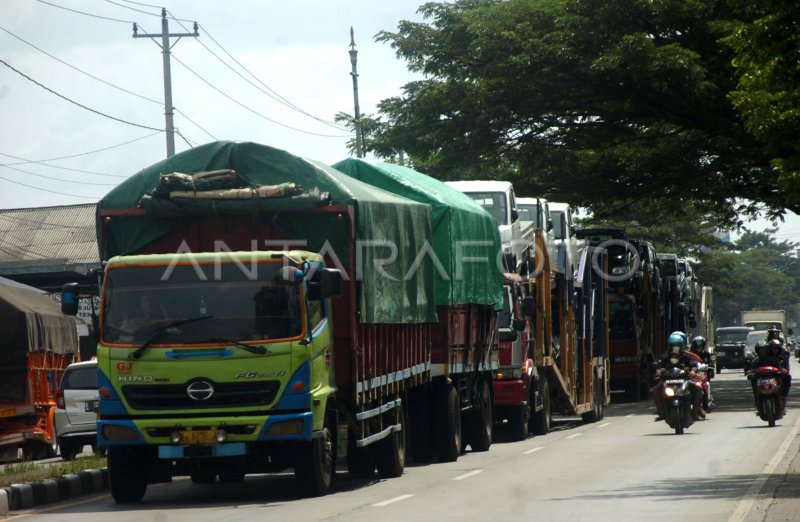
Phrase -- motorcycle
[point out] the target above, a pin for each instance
(678, 399)
(769, 400)
(706, 373)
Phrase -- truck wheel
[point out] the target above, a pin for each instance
(420, 428)
(447, 424)
(540, 421)
(315, 463)
(127, 474)
(359, 461)
(391, 452)
(594, 415)
(480, 420)
(518, 419)
(68, 448)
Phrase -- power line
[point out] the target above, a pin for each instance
(51, 191)
(44, 161)
(85, 13)
(102, 80)
(253, 110)
(60, 179)
(275, 96)
(76, 103)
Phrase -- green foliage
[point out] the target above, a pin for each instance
(599, 103)
(756, 272)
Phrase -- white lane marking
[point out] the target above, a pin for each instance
(573, 436)
(604, 425)
(746, 504)
(392, 500)
(467, 475)
(528, 452)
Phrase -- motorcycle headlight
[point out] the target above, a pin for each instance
(669, 392)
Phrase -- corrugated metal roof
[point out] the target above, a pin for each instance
(48, 237)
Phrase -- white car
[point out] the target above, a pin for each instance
(498, 198)
(567, 243)
(537, 212)
(77, 399)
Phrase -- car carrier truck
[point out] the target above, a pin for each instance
(554, 345)
(295, 322)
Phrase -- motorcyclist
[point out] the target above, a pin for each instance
(775, 334)
(769, 354)
(699, 348)
(703, 356)
(677, 356)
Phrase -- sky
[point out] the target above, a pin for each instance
(82, 101)
(84, 90)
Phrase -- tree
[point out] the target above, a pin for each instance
(599, 103)
(768, 90)
(756, 272)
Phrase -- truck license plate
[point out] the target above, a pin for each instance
(197, 437)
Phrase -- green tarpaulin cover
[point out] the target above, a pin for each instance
(459, 226)
(395, 286)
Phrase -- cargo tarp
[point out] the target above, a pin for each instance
(466, 238)
(29, 322)
(399, 290)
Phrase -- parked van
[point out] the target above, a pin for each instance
(537, 212)
(498, 198)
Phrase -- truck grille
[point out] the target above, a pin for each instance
(174, 396)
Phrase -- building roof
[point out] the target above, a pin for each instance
(48, 239)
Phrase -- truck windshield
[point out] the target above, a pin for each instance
(732, 337)
(494, 203)
(242, 304)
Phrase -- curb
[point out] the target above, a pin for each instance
(25, 496)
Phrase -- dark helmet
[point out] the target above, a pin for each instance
(698, 344)
(774, 333)
(775, 344)
(762, 349)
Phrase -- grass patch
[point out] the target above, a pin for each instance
(22, 472)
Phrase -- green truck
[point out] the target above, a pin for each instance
(262, 311)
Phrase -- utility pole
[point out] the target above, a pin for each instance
(165, 49)
(354, 74)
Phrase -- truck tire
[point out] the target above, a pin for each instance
(595, 414)
(518, 419)
(540, 421)
(447, 424)
(315, 463)
(359, 461)
(127, 474)
(390, 453)
(480, 420)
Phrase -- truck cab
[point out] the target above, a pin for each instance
(566, 242)
(536, 211)
(623, 258)
(498, 198)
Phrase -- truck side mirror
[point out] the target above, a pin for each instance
(326, 282)
(514, 215)
(69, 299)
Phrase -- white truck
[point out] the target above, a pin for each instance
(566, 242)
(764, 319)
(498, 198)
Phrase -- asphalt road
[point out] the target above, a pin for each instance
(731, 467)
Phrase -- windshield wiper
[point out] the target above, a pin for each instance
(164, 330)
(260, 350)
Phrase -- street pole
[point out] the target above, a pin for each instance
(165, 49)
(354, 74)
